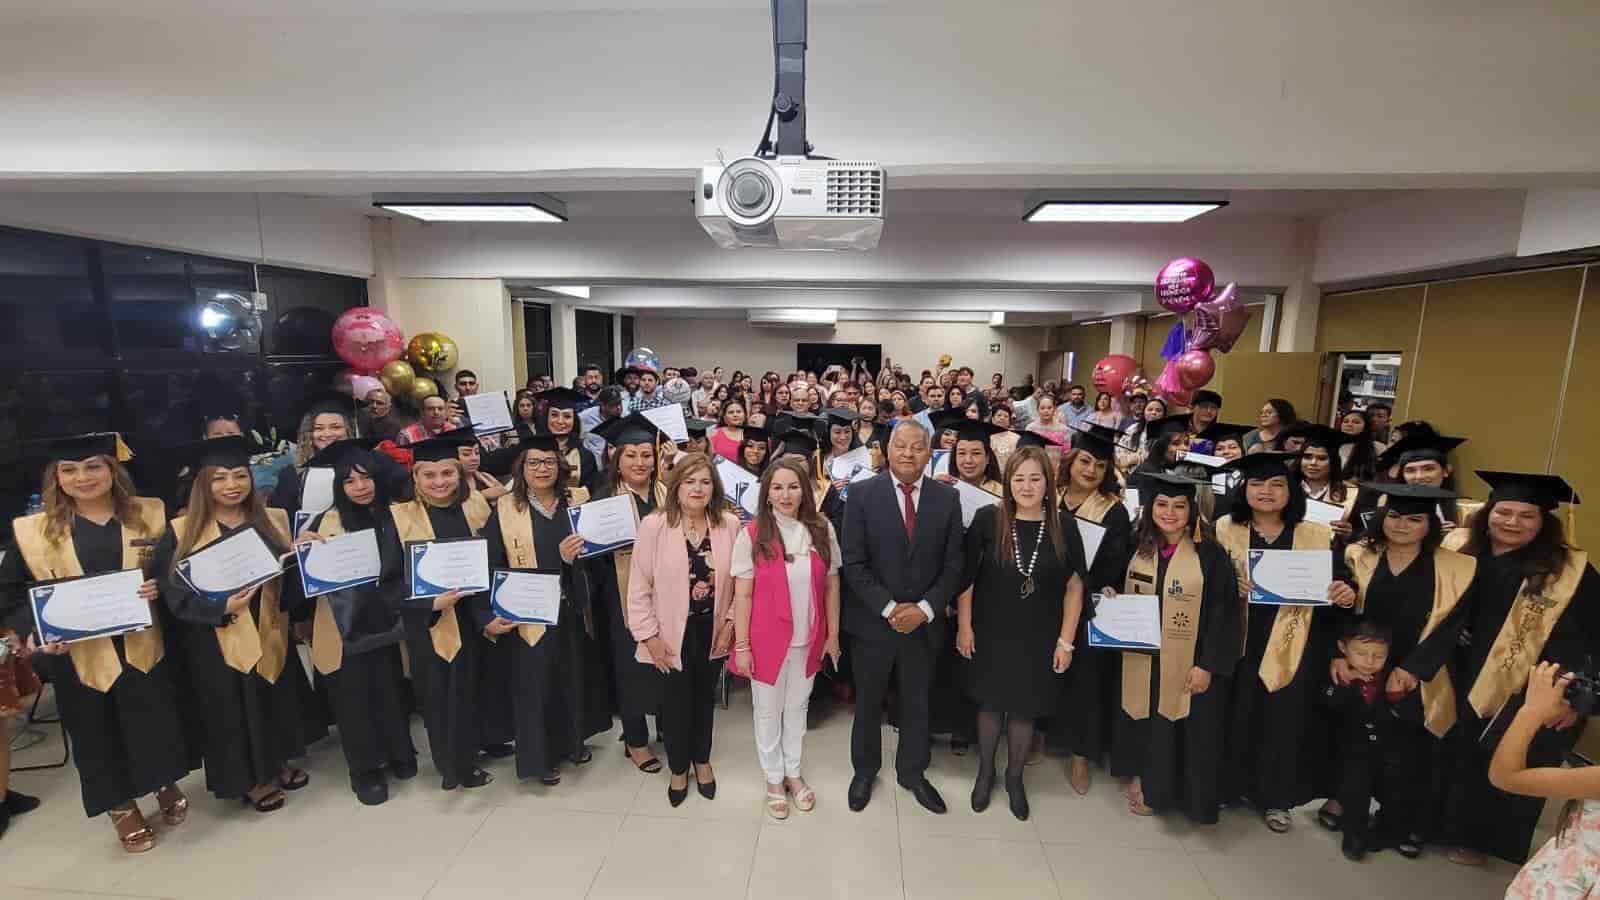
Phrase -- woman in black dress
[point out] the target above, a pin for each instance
(117, 699)
(1018, 617)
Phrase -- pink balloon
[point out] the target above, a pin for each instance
(367, 339)
(1167, 383)
(1183, 283)
(1111, 374)
(1194, 368)
(1219, 322)
(1180, 398)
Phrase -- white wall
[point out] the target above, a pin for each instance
(1553, 221)
(734, 344)
(474, 312)
(299, 232)
(1351, 89)
(1415, 232)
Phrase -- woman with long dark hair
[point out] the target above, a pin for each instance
(1417, 591)
(239, 661)
(729, 433)
(116, 696)
(1276, 415)
(523, 411)
(1139, 436)
(356, 634)
(329, 419)
(971, 459)
(1090, 492)
(754, 448)
(1274, 691)
(1168, 742)
(1535, 599)
(557, 672)
(1358, 454)
(1018, 617)
(561, 421)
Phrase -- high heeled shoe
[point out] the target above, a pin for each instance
(1018, 798)
(982, 790)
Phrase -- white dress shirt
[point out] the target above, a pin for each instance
(900, 507)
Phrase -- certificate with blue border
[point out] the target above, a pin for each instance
(526, 596)
(1290, 577)
(224, 567)
(340, 562)
(439, 567)
(605, 525)
(1126, 622)
(88, 607)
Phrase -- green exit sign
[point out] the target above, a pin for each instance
(994, 348)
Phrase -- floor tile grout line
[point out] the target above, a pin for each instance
(611, 847)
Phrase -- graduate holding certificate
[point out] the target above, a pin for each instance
(241, 669)
(1089, 491)
(445, 650)
(1270, 761)
(555, 677)
(355, 632)
(115, 694)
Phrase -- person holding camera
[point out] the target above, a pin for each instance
(1568, 864)
(1535, 599)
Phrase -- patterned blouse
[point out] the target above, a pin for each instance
(1567, 870)
(702, 596)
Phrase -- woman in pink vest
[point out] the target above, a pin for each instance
(786, 619)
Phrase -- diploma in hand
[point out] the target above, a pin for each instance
(339, 562)
(605, 525)
(78, 609)
(230, 565)
(438, 567)
(972, 500)
(1126, 622)
(488, 412)
(743, 488)
(1290, 577)
(1323, 513)
(526, 596)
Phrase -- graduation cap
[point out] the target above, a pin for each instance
(1545, 491)
(756, 434)
(697, 427)
(1224, 431)
(1203, 397)
(1422, 446)
(1329, 439)
(841, 418)
(85, 446)
(1261, 466)
(341, 452)
(798, 441)
(1410, 499)
(635, 428)
(231, 452)
(443, 446)
(966, 429)
(1169, 484)
(1032, 439)
(562, 398)
(1168, 424)
(332, 402)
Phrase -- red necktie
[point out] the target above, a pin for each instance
(911, 510)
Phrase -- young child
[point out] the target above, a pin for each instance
(1364, 725)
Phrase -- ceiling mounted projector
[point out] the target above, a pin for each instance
(781, 197)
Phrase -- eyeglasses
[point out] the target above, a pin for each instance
(543, 463)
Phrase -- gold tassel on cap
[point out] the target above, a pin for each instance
(124, 453)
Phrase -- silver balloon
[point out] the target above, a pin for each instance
(229, 323)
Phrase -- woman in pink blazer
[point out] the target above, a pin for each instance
(680, 604)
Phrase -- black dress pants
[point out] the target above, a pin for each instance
(689, 697)
(875, 662)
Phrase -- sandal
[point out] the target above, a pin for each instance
(1277, 820)
(1329, 819)
(298, 778)
(805, 799)
(1137, 806)
(132, 830)
(777, 804)
(271, 800)
(583, 757)
(174, 805)
(1410, 846)
(551, 778)
(649, 766)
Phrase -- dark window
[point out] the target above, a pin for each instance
(152, 305)
(536, 337)
(302, 307)
(594, 338)
(47, 297)
(627, 336)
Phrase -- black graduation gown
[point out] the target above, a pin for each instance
(1476, 814)
(635, 685)
(367, 694)
(448, 689)
(129, 740)
(396, 482)
(253, 727)
(1270, 733)
(1082, 722)
(558, 686)
(822, 687)
(1180, 763)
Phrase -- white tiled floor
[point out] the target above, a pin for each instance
(608, 832)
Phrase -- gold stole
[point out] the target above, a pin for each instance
(246, 644)
(516, 532)
(95, 660)
(1523, 635)
(327, 646)
(1180, 631)
(575, 462)
(411, 521)
(1235, 538)
(1456, 539)
(1291, 628)
(622, 560)
(1095, 507)
(1452, 572)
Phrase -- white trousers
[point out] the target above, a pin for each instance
(780, 717)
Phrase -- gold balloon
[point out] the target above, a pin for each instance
(397, 377)
(422, 387)
(432, 352)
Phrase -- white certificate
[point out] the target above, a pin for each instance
(936, 464)
(669, 419)
(1126, 622)
(526, 597)
(1323, 513)
(489, 412)
(972, 500)
(230, 565)
(1130, 502)
(78, 609)
(605, 525)
(438, 567)
(339, 562)
(846, 466)
(738, 485)
(1204, 459)
(302, 520)
(1290, 577)
(1221, 483)
(1093, 534)
(316, 490)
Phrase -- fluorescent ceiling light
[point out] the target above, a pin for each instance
(1077, 211)
(527, 208)
(998, 317)
(581, 291)
(793, 316)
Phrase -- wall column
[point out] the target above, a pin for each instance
(616, 344)
(563, 343)
(381, 287)
(1124, 336)
(1297, 323)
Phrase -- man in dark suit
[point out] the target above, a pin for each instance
(902, 560)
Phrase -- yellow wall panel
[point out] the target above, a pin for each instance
(1088, 343)
(1493, 351)
(1580, 420)
(1247, 380)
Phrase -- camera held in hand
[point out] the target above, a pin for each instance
(1583, 692)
